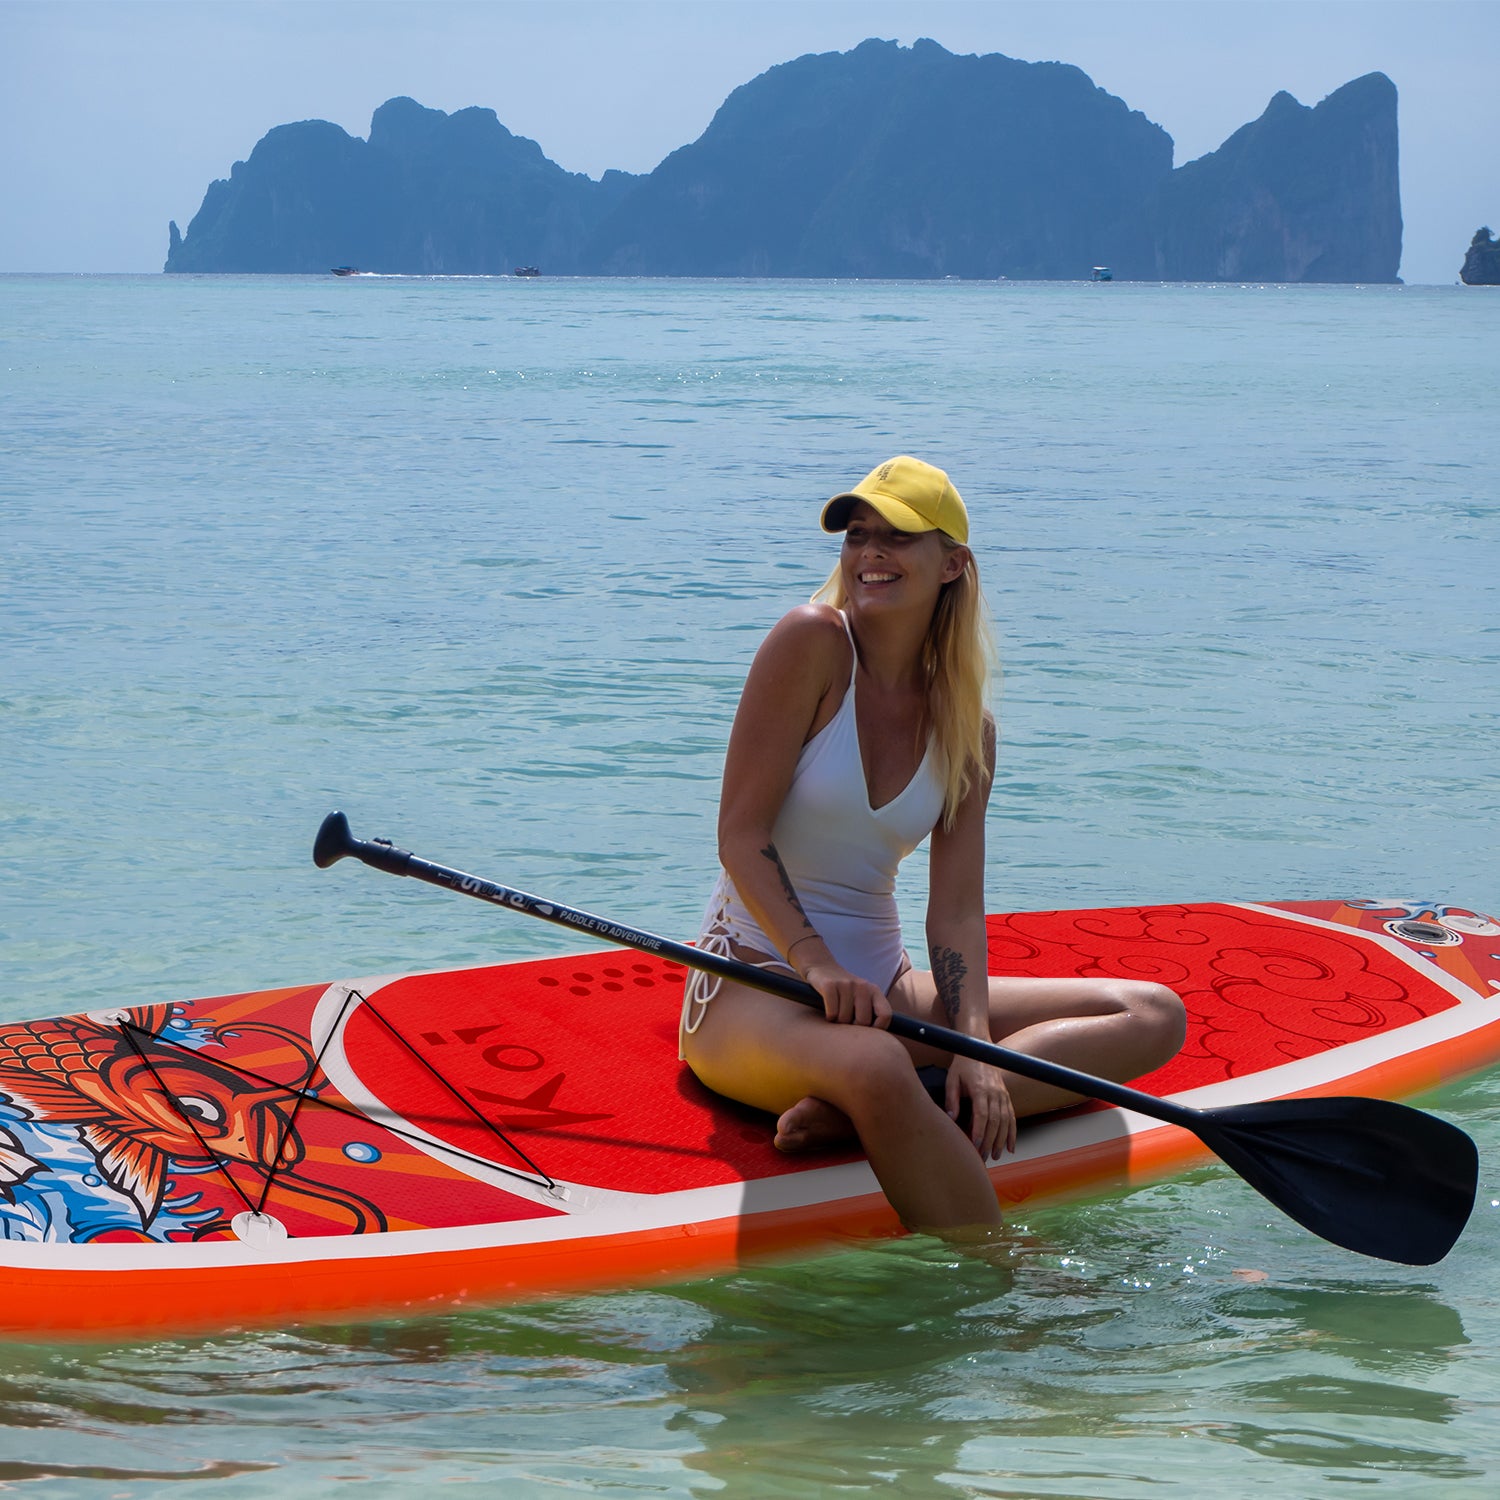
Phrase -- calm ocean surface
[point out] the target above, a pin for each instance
(483, 562)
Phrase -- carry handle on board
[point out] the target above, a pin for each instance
(1372, 1176)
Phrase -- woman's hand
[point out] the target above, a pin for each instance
(992, 1126)
(848, 999)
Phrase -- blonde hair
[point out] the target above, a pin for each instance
(956, 662)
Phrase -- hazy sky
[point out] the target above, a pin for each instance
(115, 115)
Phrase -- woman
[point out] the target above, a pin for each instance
(862, 730)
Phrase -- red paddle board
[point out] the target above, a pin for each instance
(405, 1144)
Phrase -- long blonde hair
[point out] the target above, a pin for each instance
(956, 661)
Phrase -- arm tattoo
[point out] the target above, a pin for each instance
(949, 971)
(786, 884)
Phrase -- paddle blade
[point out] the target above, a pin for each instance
(1376, 1177)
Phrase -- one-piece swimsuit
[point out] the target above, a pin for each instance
(840, 855)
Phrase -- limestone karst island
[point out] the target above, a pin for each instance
(971, 167)
(1481, 265)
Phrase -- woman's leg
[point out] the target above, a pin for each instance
(1114, 1028)
(770, 1053)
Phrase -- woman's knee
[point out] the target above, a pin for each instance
(1160, 1013)
(1156, 1014)
(878, 1076)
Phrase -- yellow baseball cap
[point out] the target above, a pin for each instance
(911, 495)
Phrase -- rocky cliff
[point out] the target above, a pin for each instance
(1298, 195)
(882, 161)
(887, 161)
(427, 193)
(1482, 264)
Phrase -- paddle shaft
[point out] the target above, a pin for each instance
(1370, 1175)
(335, 841)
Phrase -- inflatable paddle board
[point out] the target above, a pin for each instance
(399, 1145)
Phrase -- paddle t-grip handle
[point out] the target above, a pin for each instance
(336, 840)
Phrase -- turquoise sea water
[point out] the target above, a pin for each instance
(483, 562)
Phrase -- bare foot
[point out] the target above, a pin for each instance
(812, 1125)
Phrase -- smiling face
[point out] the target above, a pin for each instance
(888, 569)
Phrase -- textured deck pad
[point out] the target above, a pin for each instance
(574, 1060)
(1260, 990)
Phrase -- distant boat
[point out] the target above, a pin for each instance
(346, 270)
(527, 271)
(1103, 273)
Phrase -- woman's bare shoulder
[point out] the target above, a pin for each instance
(809, 623)
(811, 634)
(804, 651)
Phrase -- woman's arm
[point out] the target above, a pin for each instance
(958, 950)
(800, 666)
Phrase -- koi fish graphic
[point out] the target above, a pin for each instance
(15, 1165)
(140, 1103)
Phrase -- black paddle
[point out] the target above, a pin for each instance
(1373, 1176)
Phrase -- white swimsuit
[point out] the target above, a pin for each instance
(840, 855)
